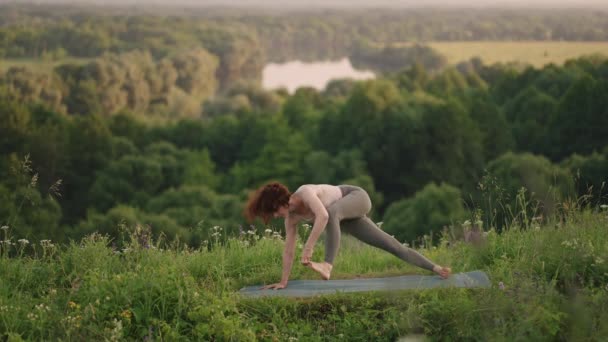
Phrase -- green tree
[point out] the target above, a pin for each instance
(30, 213)
(529, 114)
(494, 129)
(427, 212)
(590, 174)
(546, 186)
(89, 149)
(581, 122)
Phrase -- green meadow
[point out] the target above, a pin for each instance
(536, 53)
(550, 282)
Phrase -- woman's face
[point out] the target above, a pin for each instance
(283, 211)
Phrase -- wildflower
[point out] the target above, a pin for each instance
(126, 314)
(32, 316)
(4, 228)
(501, 286)
(72, 305)
(268, 231)
(23, 241)
(42, 307)
(379, 224)
(46, 243)
(599, 260)
(603, 206)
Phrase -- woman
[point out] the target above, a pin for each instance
(333, 209)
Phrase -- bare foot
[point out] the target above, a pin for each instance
(323, 268)
(444, 272)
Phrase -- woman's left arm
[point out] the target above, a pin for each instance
(321, 218)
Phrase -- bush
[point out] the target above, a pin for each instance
(427, 212)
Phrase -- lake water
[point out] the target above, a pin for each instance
(296, 74)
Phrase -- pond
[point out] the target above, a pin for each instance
(295, 74)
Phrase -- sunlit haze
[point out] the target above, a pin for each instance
(337, 3)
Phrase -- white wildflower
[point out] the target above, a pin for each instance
(4, 228)
(23, 241)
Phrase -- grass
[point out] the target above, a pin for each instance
(536, 53)
(550, 282)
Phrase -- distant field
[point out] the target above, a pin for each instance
(537, 53)
(39, 64)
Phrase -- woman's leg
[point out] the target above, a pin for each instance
(367, 231)
(354, 204)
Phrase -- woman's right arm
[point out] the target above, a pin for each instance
(288, 254)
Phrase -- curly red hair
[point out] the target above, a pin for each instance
(266, 200)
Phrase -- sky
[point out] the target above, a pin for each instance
(341, 3)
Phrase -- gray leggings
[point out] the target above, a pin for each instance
(350, 213)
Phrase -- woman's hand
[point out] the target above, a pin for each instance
(444, 272)
(306, 256)
(276, 286)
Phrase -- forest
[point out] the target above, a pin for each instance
(160, 120)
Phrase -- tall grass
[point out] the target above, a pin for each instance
(550, 282)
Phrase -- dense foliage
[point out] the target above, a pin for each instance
(162, 121)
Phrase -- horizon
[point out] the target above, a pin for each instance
(321, 4)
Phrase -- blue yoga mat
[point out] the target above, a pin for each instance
(309, 288)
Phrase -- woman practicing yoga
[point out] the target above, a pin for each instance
(333, 208)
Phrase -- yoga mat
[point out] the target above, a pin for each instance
(309, 288)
